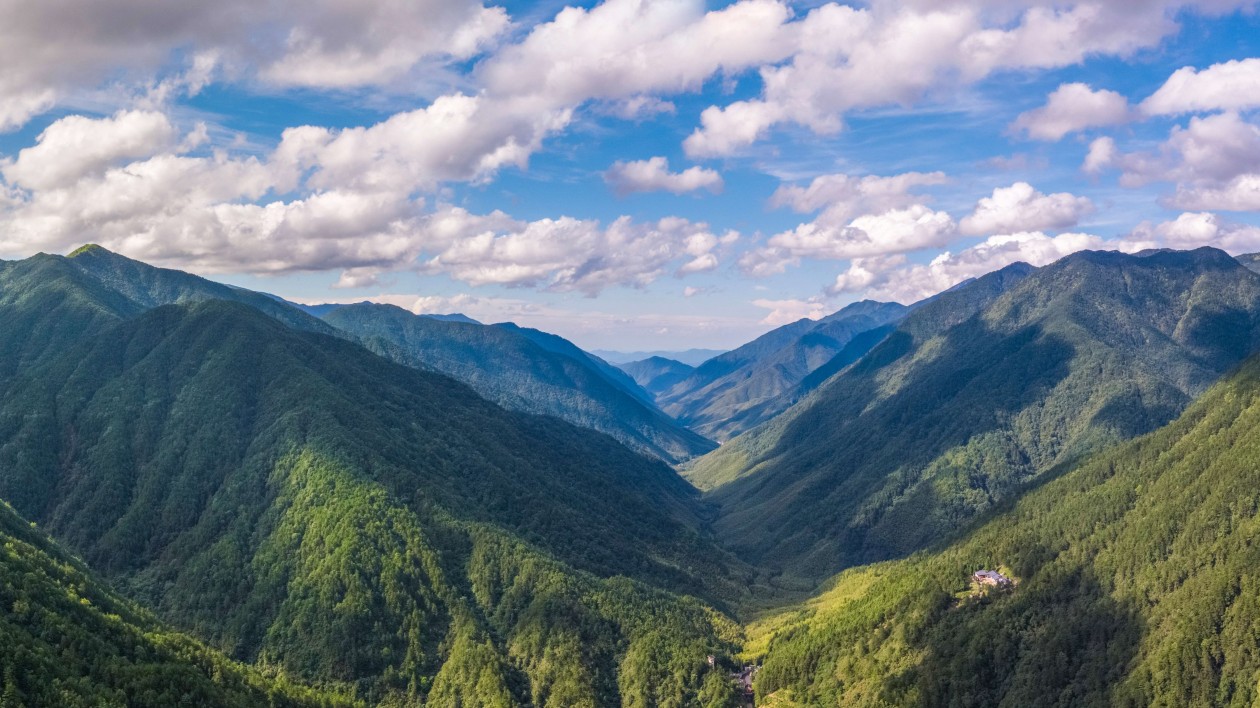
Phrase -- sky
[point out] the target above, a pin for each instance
(629, 174)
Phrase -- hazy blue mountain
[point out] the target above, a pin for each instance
(735, 391)
(690, 357)
(976, 395)
(1250, 260)
(526, 370)
(657, 374)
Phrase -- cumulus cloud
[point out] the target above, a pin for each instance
(895, 231)
(143, 194)
(1233, 85)
(55, 47)
(791, 310)
(1212, 160)
(890, 280)
(1194, 230)
(1071, 108)
(653, 175)
(841, 196)
(890, 53)
(1020, 208)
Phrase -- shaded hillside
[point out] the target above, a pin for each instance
(976, 395)
(657, 374)
(68, 642)
(1138, 584)
(525, 370)
(297, 500)
(735, 391)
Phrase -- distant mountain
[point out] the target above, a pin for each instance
(301, 502)
(657, 374)
(1250, 260)
(70, 641)
(735, 391)
(690, 357)
(525, 370)
(324, 309)
(976, 395)
(1137, 584)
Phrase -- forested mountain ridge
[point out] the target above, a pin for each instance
(69, 641)
(1137, 584)
(657, 374)
(977, 394)
(735, 391)
(296, 499)
(524, 370)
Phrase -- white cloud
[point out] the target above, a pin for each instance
(895, 231)
(75, 146)
(653, 175)
(894, 53)
(1233, 85)
(1194, 230)
(842, 197)
(1020, 208)
(891, 281)
(1213, 161)
(1071, 108)
(787, 311)
(1102, 154)
(1242, 193)
(53, 48)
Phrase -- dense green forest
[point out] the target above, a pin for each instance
(1138, 584)
(68, 641)
(735, 391)
(303, 503)
(275, 514)
(524, 370)
(977, 395)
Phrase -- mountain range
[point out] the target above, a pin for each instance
(212, 496)
(976, 395)
(735, 391)
(296, 500)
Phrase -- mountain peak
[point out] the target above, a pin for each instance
(90, 249)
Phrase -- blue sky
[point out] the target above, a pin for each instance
(633, 174)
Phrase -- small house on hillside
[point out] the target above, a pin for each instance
(992, 578)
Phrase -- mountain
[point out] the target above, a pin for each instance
(1250, 260)
(1137, 583)
(520, 368)
(657, 374)
(148, 287)
(297, 501)
(977, 395)
(735, 391)
(70, 641)
(690, 357)
(525, 370)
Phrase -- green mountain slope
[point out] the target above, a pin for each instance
(524, 370)
(1138, 584)
(297, 500)
(967, 403)
(149, 287)
(657, 374)
(735, 391)
(68, 641)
